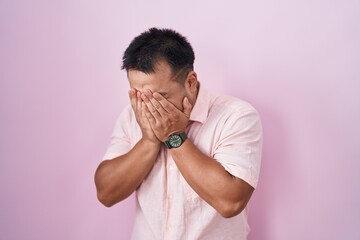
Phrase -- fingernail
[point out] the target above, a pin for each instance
(156, 95)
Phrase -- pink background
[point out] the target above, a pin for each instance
(61, 90)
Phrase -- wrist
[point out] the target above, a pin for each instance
(182, 147)
(175, 140)
(150, 143)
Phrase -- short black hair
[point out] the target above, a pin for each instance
(155, 45)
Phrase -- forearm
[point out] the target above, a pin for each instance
(226, 193)
(116, 179)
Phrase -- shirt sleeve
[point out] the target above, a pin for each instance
(240, 144)
(120, 139)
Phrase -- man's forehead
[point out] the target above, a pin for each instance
(139, 86)
(142, 81)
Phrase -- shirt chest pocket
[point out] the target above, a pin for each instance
(177, 185)
(190, 196)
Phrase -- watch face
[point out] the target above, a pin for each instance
(175, 141)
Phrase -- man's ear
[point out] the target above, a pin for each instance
(191, 82)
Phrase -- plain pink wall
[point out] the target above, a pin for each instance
(61, 90)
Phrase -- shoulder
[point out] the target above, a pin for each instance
(234, 117)
(126, 124)
(126, 116)
(127, 110)
(231, 106)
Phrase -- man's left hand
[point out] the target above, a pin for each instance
(165, 119)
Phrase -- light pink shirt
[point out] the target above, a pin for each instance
(225, 128)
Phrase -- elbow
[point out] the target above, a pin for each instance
(231, 209)
(103, 195)
(110, 190)
(105, 199)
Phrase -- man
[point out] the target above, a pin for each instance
(193, 158)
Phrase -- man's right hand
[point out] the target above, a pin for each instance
(118, 178)
(139, 108)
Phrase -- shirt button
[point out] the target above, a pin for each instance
(171, 167)
(170, 196)
(194, 199)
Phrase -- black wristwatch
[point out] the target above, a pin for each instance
(175, 140)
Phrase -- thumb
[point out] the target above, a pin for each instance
(187, 107)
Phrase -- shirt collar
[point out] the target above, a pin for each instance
(200, 110)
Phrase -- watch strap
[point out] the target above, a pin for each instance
(167, 144)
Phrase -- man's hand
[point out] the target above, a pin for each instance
(140, 108)
(164, 118)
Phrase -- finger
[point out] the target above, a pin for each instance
(132, 96)
(168, 106)
(146, 114)
(155, 103)
(150, 106)
(138, 102)
(187, 107)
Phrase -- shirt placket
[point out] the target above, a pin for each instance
(172, 175)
